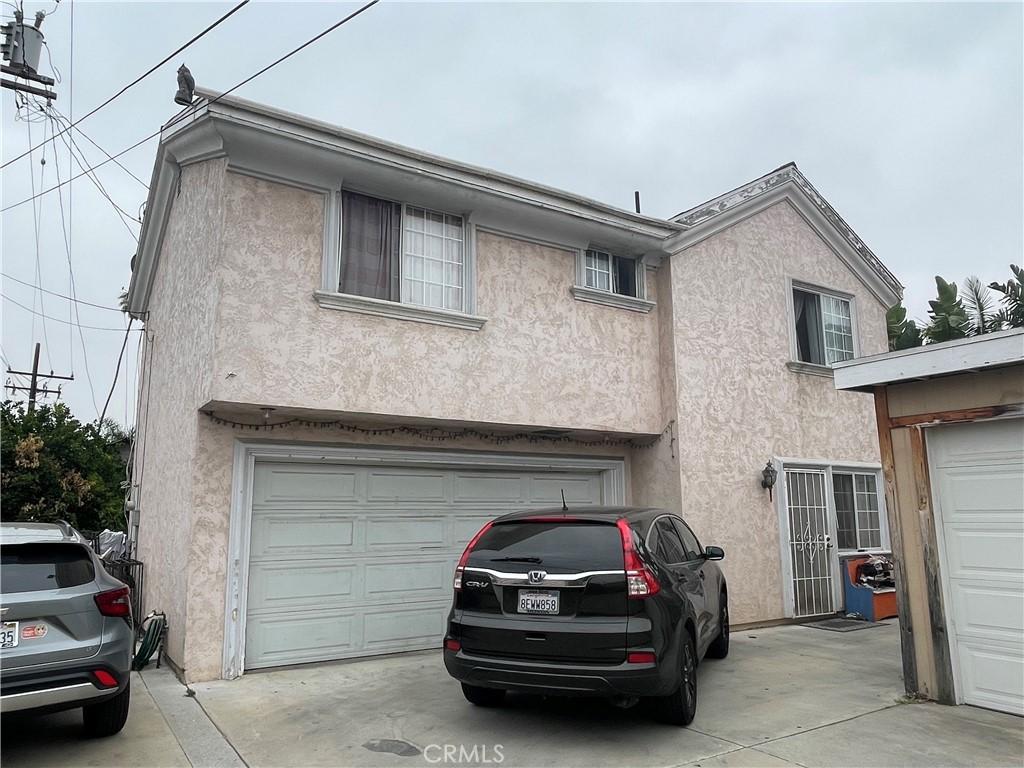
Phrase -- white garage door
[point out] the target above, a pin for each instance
(352, 561)
(978, 478)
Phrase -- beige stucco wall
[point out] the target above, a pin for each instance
(542, 358)
(738, 403)
(179, 330)
(234, 320)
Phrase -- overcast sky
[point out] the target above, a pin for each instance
(907, 117)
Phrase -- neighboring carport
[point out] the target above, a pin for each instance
(951, 431)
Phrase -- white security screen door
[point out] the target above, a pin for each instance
(810, 542)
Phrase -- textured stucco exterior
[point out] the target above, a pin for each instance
(177, 361)
(740, 405)
(541, 358)
(233, 319)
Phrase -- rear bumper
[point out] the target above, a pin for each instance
(67, 684)
(560, 679)
(59, 697)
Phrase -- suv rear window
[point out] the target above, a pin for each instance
(576, 546)
(37, 567)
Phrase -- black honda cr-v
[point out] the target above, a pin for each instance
(599, 601)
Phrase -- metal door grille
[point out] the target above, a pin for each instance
(810, 545)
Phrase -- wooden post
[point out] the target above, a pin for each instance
(933, 572)
(896, 535)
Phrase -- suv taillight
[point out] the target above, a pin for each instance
(114, 602)
(457, 583)
(639, 579)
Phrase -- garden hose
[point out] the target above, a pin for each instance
(150, 640)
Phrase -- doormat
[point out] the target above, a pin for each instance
(843, 625)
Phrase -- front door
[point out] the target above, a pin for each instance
(811, 549)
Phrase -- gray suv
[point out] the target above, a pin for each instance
(66, 638)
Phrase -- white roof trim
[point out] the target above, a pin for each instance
(281, 121)
(724, 210)
(990, 350)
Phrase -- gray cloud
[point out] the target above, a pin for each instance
(908, 117)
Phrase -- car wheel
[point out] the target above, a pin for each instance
(108, 717)
(483, 697)
(719, 648)
(679, 707)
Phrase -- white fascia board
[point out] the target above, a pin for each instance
(882, 286)
(990, 350)
(183, 141)
(267, 119)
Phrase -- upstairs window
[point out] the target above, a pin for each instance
(401, 253)
(615, 274)
(824, 327)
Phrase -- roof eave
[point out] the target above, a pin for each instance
(975, 353)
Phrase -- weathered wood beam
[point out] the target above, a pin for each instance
(945, 691)
(896, 536)
(951, 417)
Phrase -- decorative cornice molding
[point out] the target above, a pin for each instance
(790, 174)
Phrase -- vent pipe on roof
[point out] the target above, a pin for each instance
(636, 200)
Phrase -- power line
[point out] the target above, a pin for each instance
(58, 320)
(117, 370)
(141, 77)
(64, 121)
(59, 295)
(83, 163)
(191, 110)
(36, 217)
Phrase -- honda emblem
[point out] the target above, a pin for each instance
(536, 577)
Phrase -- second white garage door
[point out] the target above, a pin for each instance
(978, 477)
(351, 561)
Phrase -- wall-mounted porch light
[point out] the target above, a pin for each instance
(768, 477)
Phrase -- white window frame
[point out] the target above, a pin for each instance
(795, 363)
(781, 464)
(856, 512)
(329, 297)
(583, 292)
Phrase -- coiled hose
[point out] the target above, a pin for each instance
(150, 639)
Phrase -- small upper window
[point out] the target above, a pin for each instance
(824, 329)
(401, 253)
(614, 274)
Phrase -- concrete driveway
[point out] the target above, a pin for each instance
(785, 696)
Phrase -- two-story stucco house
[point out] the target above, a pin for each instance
(356, 353)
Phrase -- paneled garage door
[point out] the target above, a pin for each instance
(978, 478)
(351, 561)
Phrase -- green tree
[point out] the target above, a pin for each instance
(53, 467)
(1012, 313)
(947, 316)
(903, 333)
(980, 307)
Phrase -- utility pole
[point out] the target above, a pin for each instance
(20, 50)
(33, 388)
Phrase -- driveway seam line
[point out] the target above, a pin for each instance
(166, 721)
(818, 728)
(195, 697)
